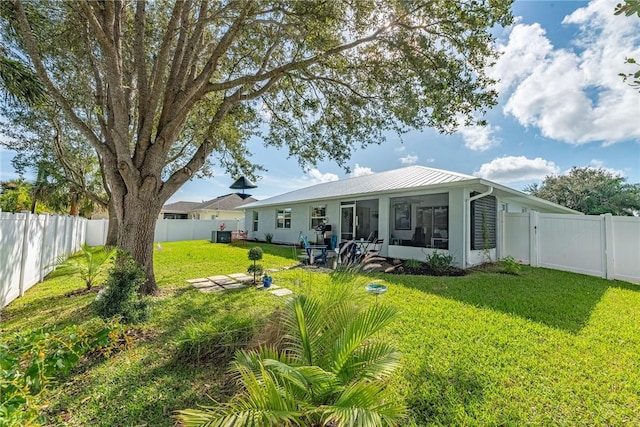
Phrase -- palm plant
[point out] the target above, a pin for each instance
(89, 265)
(328, 372)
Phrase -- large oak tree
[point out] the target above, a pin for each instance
(591, 191)
(158, 87)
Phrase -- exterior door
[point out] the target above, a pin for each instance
(347, 222)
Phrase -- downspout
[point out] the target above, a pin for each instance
(467, 225)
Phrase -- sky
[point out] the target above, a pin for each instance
(562, 104)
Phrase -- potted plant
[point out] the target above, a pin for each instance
(255, 254)
(266, 280)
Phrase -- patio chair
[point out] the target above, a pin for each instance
(376, 248)
(313, 256)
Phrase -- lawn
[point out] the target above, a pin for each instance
(544, 347)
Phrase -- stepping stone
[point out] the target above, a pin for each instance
(214, 288)
(224, 282)
(200, 285)
(216, 278)
(192, 281)
(234, 285)
(281, 292)
(241, 277)
(261, 288)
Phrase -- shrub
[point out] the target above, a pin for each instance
(268, 237)
(439, 262)
(215, 340)
(413, 263)
(120, 296)
(510, 265)
(29, 363)
(328, 370)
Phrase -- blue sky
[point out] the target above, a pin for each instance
(562, 104)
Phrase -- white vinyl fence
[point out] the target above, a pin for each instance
(167, 230)
(30, 245)
(605, 246)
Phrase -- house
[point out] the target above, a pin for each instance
(416, 210)
(221, 208)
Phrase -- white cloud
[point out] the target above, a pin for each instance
(478, 138)
(574, 94)
(361, 171)
(317, 177)
(409, 159)
(516, 168)
(400, 149)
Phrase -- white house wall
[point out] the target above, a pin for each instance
(458, 234)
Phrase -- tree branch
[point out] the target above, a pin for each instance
(34, 55)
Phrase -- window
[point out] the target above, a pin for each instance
(318, 216)
(283, 218)
(255, 220)
(420, 221)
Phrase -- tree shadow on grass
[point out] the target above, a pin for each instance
(149, 392)
(558, 299)
(444, 398)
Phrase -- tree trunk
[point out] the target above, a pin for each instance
(136, 232)
(73, 205)
(112, 231)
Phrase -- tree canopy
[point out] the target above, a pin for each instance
(591, 191)
(157, 87)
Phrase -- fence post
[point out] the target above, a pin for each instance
(24, 252)
(501, 227)
(534, 246)
(609, 247)
(43, 262)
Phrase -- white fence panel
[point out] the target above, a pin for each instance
(11, 235)
(572, 243)
(167, 230)
(96, 232)
(626, 249)
(32, 251)
(30, 245)
(605, 246)
(516, 236)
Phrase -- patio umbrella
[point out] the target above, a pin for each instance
(243, 183)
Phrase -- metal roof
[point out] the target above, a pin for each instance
(396, 179)
(412, 177)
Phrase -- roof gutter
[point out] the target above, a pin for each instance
(467, 224)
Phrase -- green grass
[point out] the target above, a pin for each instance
(544, 347)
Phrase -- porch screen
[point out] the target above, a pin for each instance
(483, 223)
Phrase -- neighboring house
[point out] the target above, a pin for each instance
(221, 208)
(416, 210)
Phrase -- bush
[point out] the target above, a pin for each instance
(215, 341)
(120, 295)
(29, 363)
(413, 263)
(439, 262)
(510, 265)
(268, 237)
